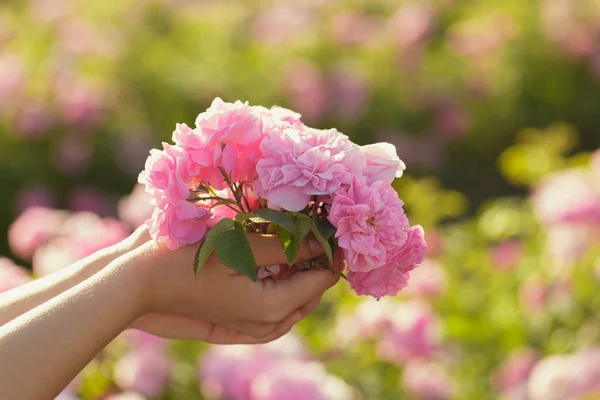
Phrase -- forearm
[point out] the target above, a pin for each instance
(24, 298)
(50, 344)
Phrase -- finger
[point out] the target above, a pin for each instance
(339, 260)
(268, 251)
(282, 328)
(284, 296)
(173, 327)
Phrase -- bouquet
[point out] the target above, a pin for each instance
(251, 169)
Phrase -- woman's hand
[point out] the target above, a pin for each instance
(220, 306)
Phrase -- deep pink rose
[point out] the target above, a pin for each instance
(298, 163)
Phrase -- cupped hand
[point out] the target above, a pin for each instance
(219, 306)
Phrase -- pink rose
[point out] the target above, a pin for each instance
(383, 281)
(382, 162)
(146, 370)
(32, 228)
(298, 163)
(370, 224)
(514, 372)
(427, 381)
(179, 224)
(227, 135)
(411, 334)
(298, 380)
(11, 275)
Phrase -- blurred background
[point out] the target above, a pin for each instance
(494, 106)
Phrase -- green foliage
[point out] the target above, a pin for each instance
(208, 244)
(291, 241)
(234, 250)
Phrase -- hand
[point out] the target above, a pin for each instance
(220, 306)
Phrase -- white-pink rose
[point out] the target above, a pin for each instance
(382, 162)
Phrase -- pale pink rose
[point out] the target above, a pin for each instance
(179, 224)
(429, 280)
(32, 228)
(513, 375)
(306, 87)
(34, 196)
(370, 223)
(382, 162)
(136, 207)
(299, 163)
(566, 377)
(146, 370)
(411, 334)
(506, 255)
(298, 380)
(11, 275)
(427, 380)
(227, 135)
(567, 197)
(277, 118)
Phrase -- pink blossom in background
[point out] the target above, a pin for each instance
(229, 371)
(34, 196)
(565, 243)
(50, 11)
(72, 155)
(480, 39)
(306, 88)
(566, 377)
(298, 380)
(512, 378)
(412, 333)
(435, 242)
(33, 119)
(452, 122)
(12, 76)
(595, 167)
(533, 295)
(11, 275)
(90, 199)
(382, 162)
(349, 91)
(506, 255)
(429, 280)
(411, 24)
(146, 370)
(370, 223)
(351, 28)
(80, 37)
(81, 106)
(282, 23)
(426, 151)
(32, 228)
(301, 163)
(135, 208)
(567, 197)
(427, 380)
(368, 321)
(55, 255)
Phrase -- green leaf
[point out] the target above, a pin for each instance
(317, 233)
(281, 219)
(224, 203)
(325, 228)
(207, 246)
(291, 241)
(233, 249)
(241, 218)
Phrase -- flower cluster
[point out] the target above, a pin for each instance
(240, 158)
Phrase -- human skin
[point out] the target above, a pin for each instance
(66, 320)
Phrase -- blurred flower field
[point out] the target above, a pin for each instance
(493, 105)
